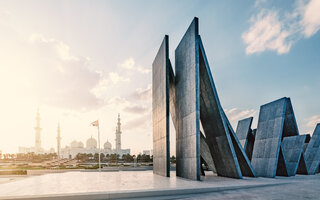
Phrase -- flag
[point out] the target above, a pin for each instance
(95, 123)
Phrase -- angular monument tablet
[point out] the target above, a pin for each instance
(204, 149)
(246, 135)
(312, 153)
(229, 157)
(292, 148)
(160, 110)
(276, 120)
(187, 105)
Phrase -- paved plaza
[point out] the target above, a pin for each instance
(144, 184)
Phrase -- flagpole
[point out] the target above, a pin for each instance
(99, 148)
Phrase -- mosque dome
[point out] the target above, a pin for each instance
(91, 143)
(107, 145)
(80, 144)
(75, 144)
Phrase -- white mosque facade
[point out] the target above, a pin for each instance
(91, 147)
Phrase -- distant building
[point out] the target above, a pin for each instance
(58, 141)
(146, 152)
(118, 149)
(37, 147)
(92, 146)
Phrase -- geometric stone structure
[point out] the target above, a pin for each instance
(190, 96)
(204, 148)
(312, 153)
(246, 135)
(160, 110)
(292, 148)
(276, 121)
(187, 105)
(228, 155)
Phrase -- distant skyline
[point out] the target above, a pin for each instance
(79, 61)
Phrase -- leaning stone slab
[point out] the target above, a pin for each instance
(312, 153)
(276, 120)
(187, 105)
(160, 110)
(292, 148)
(246, 135)
(228, 155)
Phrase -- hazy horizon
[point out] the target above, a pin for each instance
(79, 61)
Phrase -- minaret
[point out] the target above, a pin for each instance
(38, 130)
(118, 136)
(58, 141)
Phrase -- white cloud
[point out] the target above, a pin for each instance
(106, 83)
(311, 123)
(276, 31)
(60, 78)
(235, 114)
(266, 33)
(115, 78)
(60, 48)
(130, 64)
(136, 109)
(143, 94)
(311, 17)
(143, 122)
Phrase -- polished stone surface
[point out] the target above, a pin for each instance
(299, 187)
(77, 183)
(160, 110)
(187, 105)
(292, 148)
(276, 120)
(312, 153)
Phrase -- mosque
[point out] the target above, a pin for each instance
(37, 147)
(92, 146)
(76, 146)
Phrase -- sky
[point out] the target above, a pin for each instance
(79, 61)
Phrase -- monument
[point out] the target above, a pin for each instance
(312, 153)
(204, 134)
(246, 135)
(190, 97)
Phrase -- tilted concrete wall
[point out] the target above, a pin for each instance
(160, 110)
(268, 138)
(228, 155)
(292, 148)
(187, 105)
(276, 121)
(312, 153)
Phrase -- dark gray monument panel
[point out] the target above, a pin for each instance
(290, 125)
(206, 154)
(215, 128)
(268, 137)
(246, 135)
(219, 133)
(160, 110)
(204, 149)
(292, 148)
(244, 162)
(312, 153)
(187, 105)
(302, 167)
(243, 130)
(281, 165)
